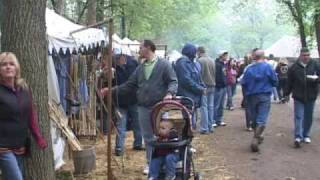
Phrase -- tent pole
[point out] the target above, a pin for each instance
(110, 175)
(91, 26)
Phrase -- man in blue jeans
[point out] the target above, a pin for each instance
(220, 89)
(303, 82)
(258, 81)
(127, 105)
(207, 101)
(153, 81)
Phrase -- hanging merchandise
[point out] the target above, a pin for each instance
(83, 117)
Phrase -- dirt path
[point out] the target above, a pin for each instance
(225, 154)
(278, 159)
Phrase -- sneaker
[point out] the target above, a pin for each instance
(118, 152)
(214, 125)
(193, 150)
(170, 177)
(204, 132)
(146, 169)
(231, 108)
(307, 140)
(249, 129)
(297, 142)
(222, 124)
(138, 148)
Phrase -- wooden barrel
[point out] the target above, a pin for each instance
(84, 161)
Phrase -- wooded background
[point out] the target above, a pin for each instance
(236, 25)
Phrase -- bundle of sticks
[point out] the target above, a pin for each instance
(58, 116)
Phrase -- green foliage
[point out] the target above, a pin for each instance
(308, 10)
(250, 24)
(235, 25)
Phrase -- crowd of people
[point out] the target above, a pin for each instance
(212, 84)
(139, 86)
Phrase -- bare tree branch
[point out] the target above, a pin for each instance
(53, 4)
(82, 11)
(292, 9)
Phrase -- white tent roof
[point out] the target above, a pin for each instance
(127, 41)
(116, 38)
(125, 45)
(174, 55)
(59, 28)
(288, 46)
(136, 42)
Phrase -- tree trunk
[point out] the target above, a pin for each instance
(24, 33)
(300, 23)
(60, 6)
(92, 12)
(317, 27)
(296, 12)
(100, 10)
(123, 24)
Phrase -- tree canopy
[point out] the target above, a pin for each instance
(237, 25)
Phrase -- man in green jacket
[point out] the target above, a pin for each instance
(153, 80)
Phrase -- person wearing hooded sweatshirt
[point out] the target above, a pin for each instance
(189, 75)
(258, 81)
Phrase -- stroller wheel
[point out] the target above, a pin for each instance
(197, 176)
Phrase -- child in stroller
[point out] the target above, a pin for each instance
(167, 156)
(172, 151)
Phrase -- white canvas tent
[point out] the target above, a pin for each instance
(116, 39)
(174, 55)
(59, 36)
(288, 46)
(59, 29)
(125, 45)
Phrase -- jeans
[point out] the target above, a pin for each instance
(275, 93)
(303, 117)
(11, 166)
(170, 161)
(207, 110)
(244, 103)
(282, 85)
(259, 108)
(130, 112)
(231, 91)
(144, 114)
(219, 98)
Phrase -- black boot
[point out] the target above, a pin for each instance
(257, 138)
(260, 130)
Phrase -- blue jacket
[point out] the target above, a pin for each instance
(123, 73)
(189, 75)
(221, 74)
(259, 78)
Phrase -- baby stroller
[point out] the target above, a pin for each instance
(179, 111)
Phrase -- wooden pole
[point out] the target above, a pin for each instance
(101, 103)
(91, 26)
(110, 177)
